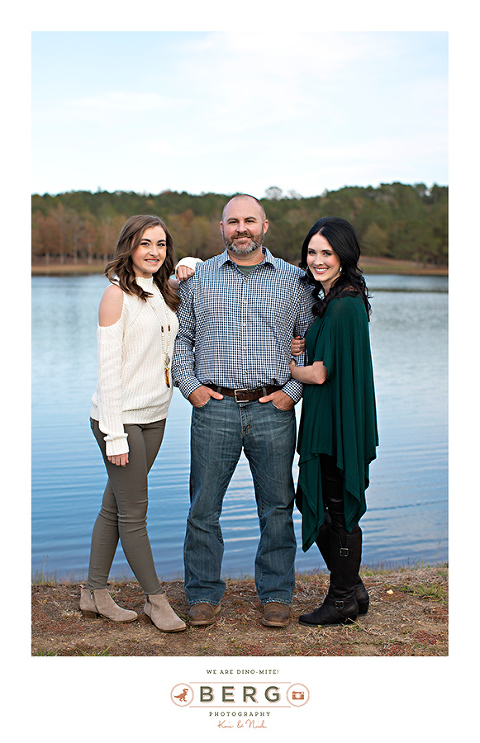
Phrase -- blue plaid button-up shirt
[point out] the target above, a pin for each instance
(235, 330)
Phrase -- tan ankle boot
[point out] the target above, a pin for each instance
(93, 603)
(162, 614)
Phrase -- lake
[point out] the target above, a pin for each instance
(407, 517)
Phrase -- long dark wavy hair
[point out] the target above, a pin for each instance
(120, 269)
(344, 242)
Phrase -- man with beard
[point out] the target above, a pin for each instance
(237, 317)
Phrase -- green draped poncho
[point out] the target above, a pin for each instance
(339, 416)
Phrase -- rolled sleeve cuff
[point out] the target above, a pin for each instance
(189, 386)
(294, 390)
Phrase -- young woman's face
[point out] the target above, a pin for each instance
(151, 252)
(323, 263)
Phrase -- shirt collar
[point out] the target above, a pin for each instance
(267, 258)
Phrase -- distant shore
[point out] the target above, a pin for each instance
(369, 265)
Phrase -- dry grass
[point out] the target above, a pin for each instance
(408, 616)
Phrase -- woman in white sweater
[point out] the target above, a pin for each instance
(136, 332)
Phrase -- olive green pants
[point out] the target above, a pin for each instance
(123, 514)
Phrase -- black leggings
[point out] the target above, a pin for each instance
(332, 494)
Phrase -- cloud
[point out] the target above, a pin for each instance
(130, 103)
(270, 107)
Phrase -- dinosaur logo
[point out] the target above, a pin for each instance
(182, 695)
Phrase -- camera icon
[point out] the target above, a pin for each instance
(298, 695)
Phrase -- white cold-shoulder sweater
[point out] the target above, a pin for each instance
(131, 384)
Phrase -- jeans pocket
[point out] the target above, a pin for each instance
(202, 407)
(279, 409)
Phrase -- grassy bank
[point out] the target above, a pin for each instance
(408, 616)
(368, 264)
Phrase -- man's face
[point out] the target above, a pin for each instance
(243, 226)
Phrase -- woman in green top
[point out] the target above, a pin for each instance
(338, 430)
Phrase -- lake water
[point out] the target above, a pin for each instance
(406, 521)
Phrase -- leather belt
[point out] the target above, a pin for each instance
(245, 395)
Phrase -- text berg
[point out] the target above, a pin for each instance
(230, 694)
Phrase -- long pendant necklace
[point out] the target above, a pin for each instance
(165, 350)
(166, 357)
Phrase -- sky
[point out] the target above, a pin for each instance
(228, 111)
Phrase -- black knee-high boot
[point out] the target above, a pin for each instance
(323, 544)
(340, 605)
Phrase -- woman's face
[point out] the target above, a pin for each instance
(323, 263)
(151, 252)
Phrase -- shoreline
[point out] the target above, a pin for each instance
(407, 616)
(40, 578)
(369, 265)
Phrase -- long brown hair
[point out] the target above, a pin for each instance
(120, 269)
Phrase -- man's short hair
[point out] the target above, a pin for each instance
(244, 196)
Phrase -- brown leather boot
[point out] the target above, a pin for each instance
(162, 615)
(99, 602)
(201, 614)
(275, 614)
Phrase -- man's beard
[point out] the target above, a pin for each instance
(255, 243)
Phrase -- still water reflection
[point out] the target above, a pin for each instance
(406, 519)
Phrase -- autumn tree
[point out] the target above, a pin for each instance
(392, 220)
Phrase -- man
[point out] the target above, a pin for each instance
(237, 317)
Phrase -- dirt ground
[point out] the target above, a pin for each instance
(408, 616)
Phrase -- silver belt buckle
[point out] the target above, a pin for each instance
(244, 389)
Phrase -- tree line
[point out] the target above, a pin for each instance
(408, 222)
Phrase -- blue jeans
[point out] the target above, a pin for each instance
(219, 431)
